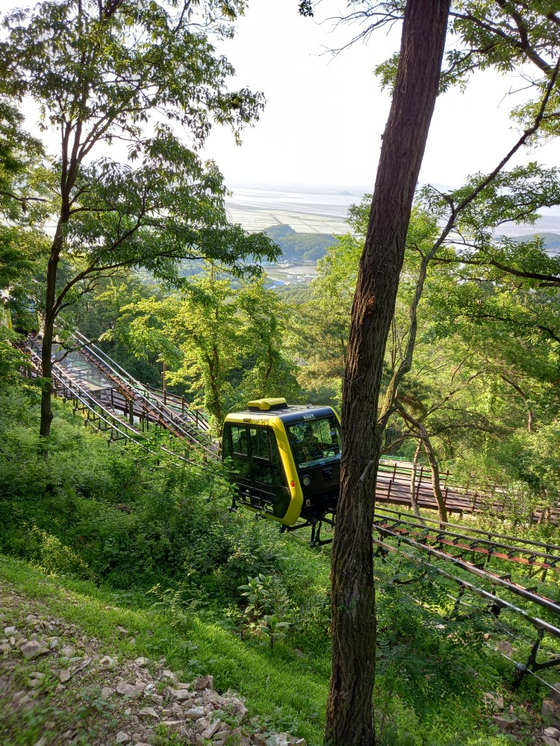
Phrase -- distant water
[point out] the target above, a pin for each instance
(332, 203)
(327, 203)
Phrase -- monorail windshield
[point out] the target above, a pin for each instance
(315, 441)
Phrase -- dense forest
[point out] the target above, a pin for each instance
(136, 253)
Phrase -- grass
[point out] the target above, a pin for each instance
(280, 688)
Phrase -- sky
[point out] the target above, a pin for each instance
(325, 116)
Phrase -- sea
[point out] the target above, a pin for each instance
(324, 209)
(306, 209)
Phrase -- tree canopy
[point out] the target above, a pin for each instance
(144, 76)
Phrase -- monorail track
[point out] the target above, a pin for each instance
(482, 546)
(113, 401)
(439, 547)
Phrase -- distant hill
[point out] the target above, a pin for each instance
(551, 241)
(300, 247)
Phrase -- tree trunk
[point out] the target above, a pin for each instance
(413, 500)
(436, 486)
(48, 336)
(349, 708)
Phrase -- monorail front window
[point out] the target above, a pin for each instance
(315, 441)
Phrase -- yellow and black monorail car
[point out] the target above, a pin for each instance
(285, 459)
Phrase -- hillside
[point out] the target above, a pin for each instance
(300, 247)
(551, 242)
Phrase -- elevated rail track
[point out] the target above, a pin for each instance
(88, 373)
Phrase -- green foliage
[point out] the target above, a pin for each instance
(300, 247)
(12, 360)
(222, 342)
(258, 594)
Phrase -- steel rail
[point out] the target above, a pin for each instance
(85, 398)
(495, 600)
(476, 530)
(521, 668)
(167, 417)
(440, 536)
(515, 588)
(120, 373)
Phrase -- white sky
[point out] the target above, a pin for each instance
(324, 118)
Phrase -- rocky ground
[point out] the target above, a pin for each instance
(59, 686)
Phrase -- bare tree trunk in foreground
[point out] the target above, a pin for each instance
(349, 708)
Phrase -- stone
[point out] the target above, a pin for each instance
(10, 631)
(223, 733)
(551, 709)
(108, 662)
(195, 713)
(166, 674)
(131, 691)
(64, 675)
(180, 695)
(552, 732)
(278, 739)
(142, 661)
(149, 712)
(211, 729)
(216, 700)
(107, 692)
(201, 725)
(173, 724)
(505, 724)
(238, 708)
(550, 741)
(204, 682)
(68, 651)
(502, 646)
(32, 649)
(496, 701)
(155, 698)
(122, 737)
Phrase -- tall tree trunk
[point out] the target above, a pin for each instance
(413, 500)
(349, 708)
(48, 336)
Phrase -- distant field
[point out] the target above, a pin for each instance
(305, 211)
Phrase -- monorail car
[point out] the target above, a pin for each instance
(285, 459)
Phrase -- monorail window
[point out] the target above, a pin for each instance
(259, 443)
(315, 441)
(255, 454)
(239, 441)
